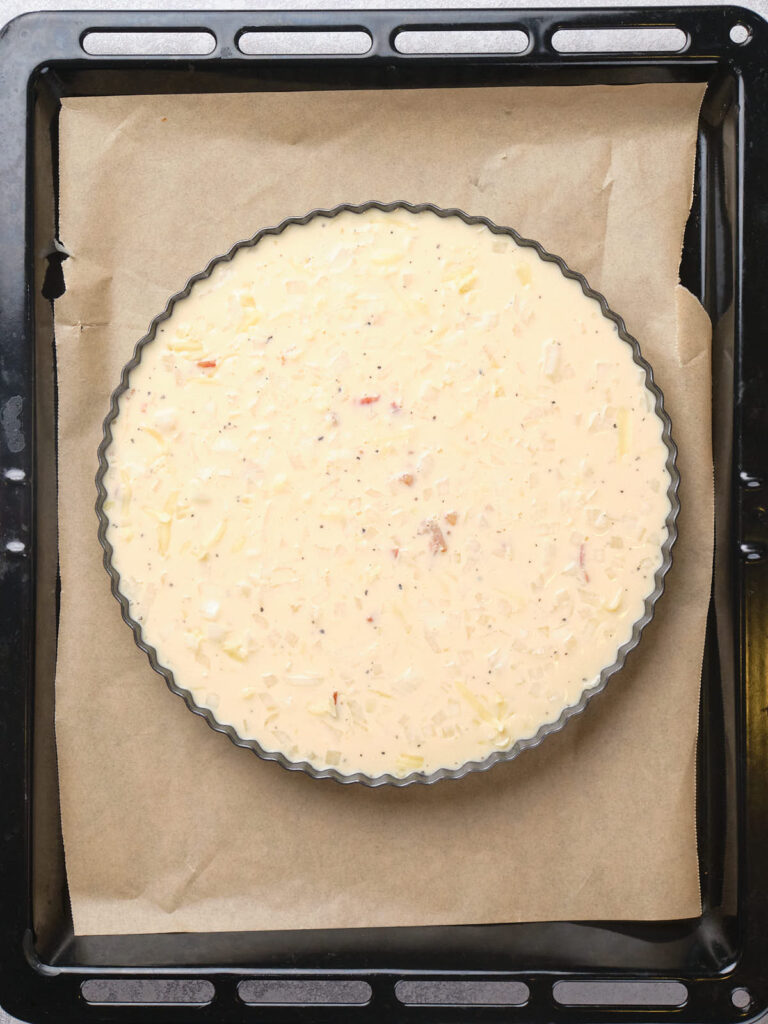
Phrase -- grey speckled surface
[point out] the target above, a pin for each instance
(11, 8)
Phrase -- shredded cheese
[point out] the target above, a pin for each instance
(386, 492)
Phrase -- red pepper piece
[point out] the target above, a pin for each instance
(581, 563)
(437, 540)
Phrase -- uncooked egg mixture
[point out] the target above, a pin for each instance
(387, 492)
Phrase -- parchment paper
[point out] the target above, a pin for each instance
(168, 827)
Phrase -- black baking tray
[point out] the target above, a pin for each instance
(43, 965)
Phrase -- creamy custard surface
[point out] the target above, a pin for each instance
(386, 492)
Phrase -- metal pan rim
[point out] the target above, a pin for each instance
(587, 694)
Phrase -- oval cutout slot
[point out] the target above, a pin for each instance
(299, 42)
(302, 993)
(411, 41)
(462, 993)
(148, 44)
(620, 993)
(126, 991)
(619, 40)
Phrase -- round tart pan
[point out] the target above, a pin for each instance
(497, 755)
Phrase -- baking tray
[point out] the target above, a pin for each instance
(712, 968)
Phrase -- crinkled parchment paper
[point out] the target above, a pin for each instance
(167, 826)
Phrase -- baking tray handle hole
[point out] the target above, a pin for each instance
(128, 991)
(740, 33)
(619, 40)
(462, 993)
(148, 44)
(620, 993)
(452, 41)
(741, 997)
(279, 992)
(301, 42)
